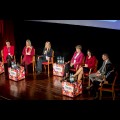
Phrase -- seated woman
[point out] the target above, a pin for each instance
(47, 54)
(28, 53)
(89, 63)
(8, 53)
(76, 61)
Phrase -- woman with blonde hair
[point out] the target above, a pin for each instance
(28, 53)
(47, 54)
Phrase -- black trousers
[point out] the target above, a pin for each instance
(9, 59)
(67, 68)
(39, 63)
(95, 87)
(86, 69)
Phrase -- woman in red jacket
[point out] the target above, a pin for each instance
(76, 61)
(8, 53)
(89, 63)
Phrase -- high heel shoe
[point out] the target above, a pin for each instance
(73, 76)
(64, 79)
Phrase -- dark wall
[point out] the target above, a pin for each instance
(64, 38)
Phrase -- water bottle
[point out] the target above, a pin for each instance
(73, 78)
(63, 60)
(70, 77)
(15, 65)
(12, 64)
(58, 59)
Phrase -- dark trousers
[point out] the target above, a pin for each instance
(95, 87)
(8, 64)
(25, 66)
(9, 59)
(67, 68)
(39, 63)
(86, 69)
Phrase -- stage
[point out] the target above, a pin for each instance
(40, 87)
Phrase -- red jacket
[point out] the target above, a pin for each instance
(79, 59)
(5, 52)
(90, 62)
(28, 58)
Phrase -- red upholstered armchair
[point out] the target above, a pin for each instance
(107, 87)
(48, 63)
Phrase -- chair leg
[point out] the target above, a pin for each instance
(88, 82)
(33, 67)
(113, 95)
(45, 67)
(48, 71)
(100, 95)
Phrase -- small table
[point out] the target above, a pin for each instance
(16, 74)
(71, 89)
(58, 69)
(1, 67)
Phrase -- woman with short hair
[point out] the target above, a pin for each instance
(76, 61)
(8, 53)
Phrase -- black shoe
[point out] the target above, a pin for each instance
(96, 97)
(89, 87)
(66, 78)
(38, 72)
(61, 80)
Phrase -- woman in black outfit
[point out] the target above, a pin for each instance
(47, 54)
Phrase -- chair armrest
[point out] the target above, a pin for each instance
(21, 57)
(105, 82)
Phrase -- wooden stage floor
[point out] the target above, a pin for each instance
(40, 87)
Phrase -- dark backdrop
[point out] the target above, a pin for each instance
(64, 38)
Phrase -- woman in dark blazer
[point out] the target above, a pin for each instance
(47, 54)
